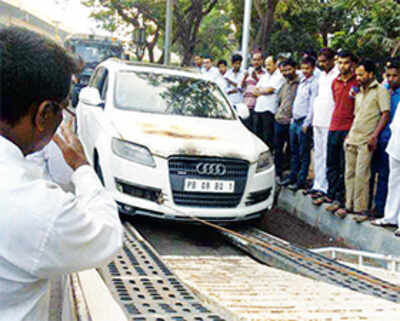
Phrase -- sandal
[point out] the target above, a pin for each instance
(318, 201)
(333, 207)
(361, 217)
(317, 194)
(309, 191)
(382, 223)
(342, 212)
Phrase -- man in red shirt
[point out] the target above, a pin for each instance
(344, 88)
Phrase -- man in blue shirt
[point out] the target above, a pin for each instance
(300, 126)
(380, 162)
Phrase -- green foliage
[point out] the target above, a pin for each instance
(215, 34)
(366, 27)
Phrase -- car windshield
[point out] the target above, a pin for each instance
(170, 94)
(97, 52)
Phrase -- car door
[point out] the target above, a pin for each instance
(92, 117)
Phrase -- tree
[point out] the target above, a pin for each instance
(373, 31)
(188, 18)
(262, 19)
(216, 36)
(131, 14)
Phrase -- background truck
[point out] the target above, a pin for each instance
(90, 50)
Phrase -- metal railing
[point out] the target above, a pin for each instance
(362, 258)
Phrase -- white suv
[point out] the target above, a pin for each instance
(167, 143)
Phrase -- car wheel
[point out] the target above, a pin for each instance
(97, 168)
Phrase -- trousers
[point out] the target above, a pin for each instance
(300, 144)
(380, 167)
(264, 126)
(281, 137)
(335, 165)
(320, 153)
(392, 207)
(357, 176)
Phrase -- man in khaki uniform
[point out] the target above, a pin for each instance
(372, 107)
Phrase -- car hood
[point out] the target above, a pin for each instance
(166, 135)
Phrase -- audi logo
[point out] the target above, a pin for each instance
(214, 169)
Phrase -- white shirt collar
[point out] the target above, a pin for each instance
(8, 150)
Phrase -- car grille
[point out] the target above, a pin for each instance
(181, 167)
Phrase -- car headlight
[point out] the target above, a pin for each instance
(133, 152)
(264, 161)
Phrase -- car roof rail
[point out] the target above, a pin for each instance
(152, 65)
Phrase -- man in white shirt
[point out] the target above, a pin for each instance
(50, 165)
(198, 62)
(322, 113)
(45, 232)
(209, 71)
(222, 66)
(234, 77)
(267, 90)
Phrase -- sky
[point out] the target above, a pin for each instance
(70, 13)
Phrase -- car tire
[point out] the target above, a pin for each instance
(97, 168)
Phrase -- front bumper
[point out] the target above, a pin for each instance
(141, 190)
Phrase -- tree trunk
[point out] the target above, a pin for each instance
(264, 33)
(324, 39)
(187, 56)
(150, 51)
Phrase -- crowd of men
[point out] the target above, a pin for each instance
(331, 106)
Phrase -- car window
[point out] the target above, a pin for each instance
(170, 94)
(102, 78)
(94, 77)
(103, 91)
(98, 78)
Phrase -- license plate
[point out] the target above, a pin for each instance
(209, 186)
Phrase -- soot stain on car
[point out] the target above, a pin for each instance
(173, 131)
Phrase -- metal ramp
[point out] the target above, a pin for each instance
(147, 290)
(281, 254)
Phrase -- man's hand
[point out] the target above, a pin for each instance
(71, 148)
(372, 142)
(233, 91)
(258, 92)
(304, 129)
(243, 84)
(231, 82)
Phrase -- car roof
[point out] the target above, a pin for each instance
(116, 64)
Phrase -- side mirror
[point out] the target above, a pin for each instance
(91, 96)
(242, 110)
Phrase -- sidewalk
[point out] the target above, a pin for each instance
(362, 236)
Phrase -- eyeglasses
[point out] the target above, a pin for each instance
(64, 106)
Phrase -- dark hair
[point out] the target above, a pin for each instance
(274, 58)
(310, 53)
(237, 57)
(222, 62)
(289, 62)
(327, 52)
(207, 57)
(33, 69)
(308, 60)
(347, 54)
(368, 65)
(393, 62)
